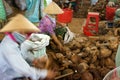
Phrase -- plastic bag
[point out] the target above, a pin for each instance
(68, 36)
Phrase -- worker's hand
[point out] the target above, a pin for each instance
(40, 60)
(51, 75)
(61, 24)
(111, 4)
(43, 59)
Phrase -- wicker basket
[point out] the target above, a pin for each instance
(113, 74)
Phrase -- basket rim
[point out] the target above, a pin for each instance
(111, 72)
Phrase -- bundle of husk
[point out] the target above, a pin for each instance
(87, 76)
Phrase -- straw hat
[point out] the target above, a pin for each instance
(53, 8)
(19, 23)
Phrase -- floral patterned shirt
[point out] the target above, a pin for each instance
(47, 25)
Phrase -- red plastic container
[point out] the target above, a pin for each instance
(87, 32)
(65, 17)
(110, 12)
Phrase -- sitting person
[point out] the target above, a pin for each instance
(47, 24)
(12, 64)
(34, 49)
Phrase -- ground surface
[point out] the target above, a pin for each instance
(76, 25)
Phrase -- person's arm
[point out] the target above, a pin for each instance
(26, 51)
(57, 41)
(18, 64)
(49, 27)
(61, 24)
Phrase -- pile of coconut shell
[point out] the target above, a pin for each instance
(88, 58)
(99, 7)
(85, 58)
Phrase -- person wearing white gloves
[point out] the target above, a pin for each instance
(34, 48)
(49, 24)
(12, 64)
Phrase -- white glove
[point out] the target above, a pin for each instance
(68, 36)
(111, 3)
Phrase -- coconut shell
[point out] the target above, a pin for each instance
(76, 76)
(68, 54)
(75, 58)
(66, 71)
(103, 71)
(59, 56)
(76, 51)
(109, 62)
(82, 67)
(105, 52)
(95, 74)
(86, 76)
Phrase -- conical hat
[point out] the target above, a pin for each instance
(19, 23)
(53, 8)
